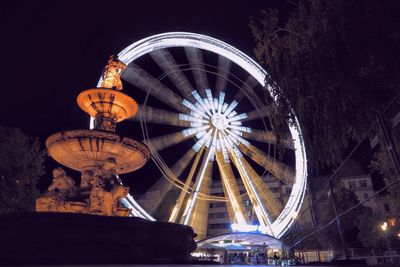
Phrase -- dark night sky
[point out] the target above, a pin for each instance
(53, 50)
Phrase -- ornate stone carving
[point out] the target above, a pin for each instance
(100, 201)
(99, 191)
(61, 188)
(118, 192)
(83, 149)
(111, 74)
(87, 177)
(62, 184)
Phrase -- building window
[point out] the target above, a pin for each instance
(218, 215)
(217, 205)
(387, 208)
(246, 202)
(220, 226)
(352, 184)
(366, 196)
(221, 215)
(363, 183)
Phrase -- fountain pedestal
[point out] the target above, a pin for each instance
(72, 238)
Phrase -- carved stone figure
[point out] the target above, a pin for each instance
(98, 188)
(111, 74)
(105, 203)
(61, 188)
(118, 193)
(97, 198)
(87, 177)
(62, 184)
(109, 174)
(51, 202)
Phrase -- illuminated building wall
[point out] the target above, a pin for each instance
(354, 178)
(218, 217)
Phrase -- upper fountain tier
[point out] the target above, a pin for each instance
(107, 104)
(89, 149)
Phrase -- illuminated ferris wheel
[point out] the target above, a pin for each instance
(209, 99)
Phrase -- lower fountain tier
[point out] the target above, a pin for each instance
(87, 149)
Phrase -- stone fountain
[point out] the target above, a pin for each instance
(99, 154)
(88, 223)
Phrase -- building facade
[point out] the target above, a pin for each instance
(218, 217)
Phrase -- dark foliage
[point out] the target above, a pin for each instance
(21, 165)
(331, 63)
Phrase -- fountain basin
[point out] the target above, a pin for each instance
(87, 149)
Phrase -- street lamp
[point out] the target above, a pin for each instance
(384, 228)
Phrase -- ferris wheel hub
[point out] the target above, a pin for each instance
(219, 121)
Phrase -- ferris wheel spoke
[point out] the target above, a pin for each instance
(256, 114)
(161, 142)
(199, 180)
(164, 185)
(199, 220)
(159, 116)
(265, 193)
(256, 200)
(168, 64)
(184, 192)
(231, 190)
(268, 137)
(249, 84)
(195, 58)
(224, 67)
(147, 83)
(275, 167)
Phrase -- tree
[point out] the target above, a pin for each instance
(330, 63)
(370, 234)
(21, 165)
(383, 165)
(353, 224)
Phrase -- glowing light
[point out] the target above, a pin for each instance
(384, 226)
(248, 228)
(192, 200)
(210, 113)
(222, 123)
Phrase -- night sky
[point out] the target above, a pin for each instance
(53, 50)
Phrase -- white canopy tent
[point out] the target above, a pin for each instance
(239, 238)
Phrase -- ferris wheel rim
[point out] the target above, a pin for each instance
(187, 39)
